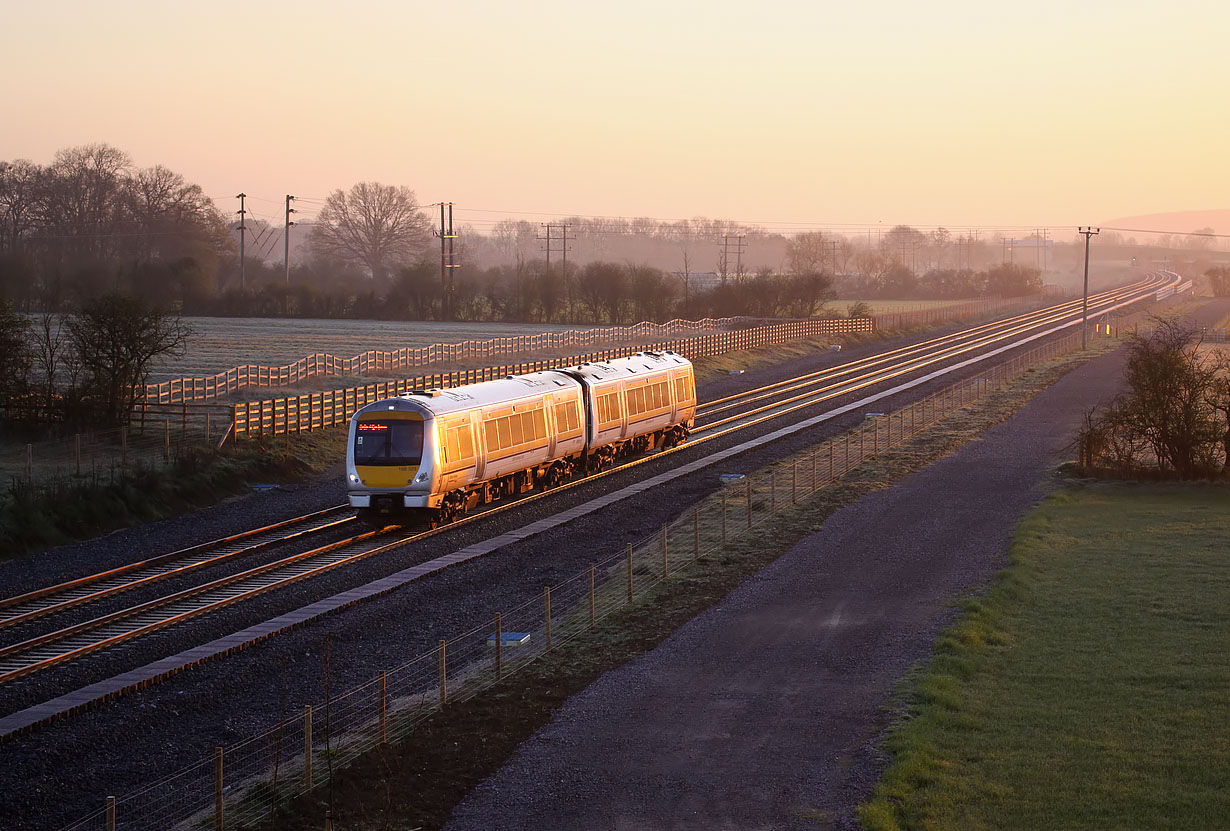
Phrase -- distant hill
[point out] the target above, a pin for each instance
(1175, 222)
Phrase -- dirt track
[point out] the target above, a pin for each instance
(763, 711)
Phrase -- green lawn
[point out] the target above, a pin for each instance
(1091, 687)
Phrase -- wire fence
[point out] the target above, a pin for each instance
(240, 786)
(99, 458)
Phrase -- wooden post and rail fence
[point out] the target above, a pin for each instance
(248, 789)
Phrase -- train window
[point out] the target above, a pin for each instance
(683, 389)
(538, 425)
(492, 433)
(636, 401)
(608, 407)
(388, 443)
(516, 427)
(458, 443)
(567, 416)
(505, 432)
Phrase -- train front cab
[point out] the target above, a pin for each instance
(390, 459)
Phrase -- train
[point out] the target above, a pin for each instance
(431, 455)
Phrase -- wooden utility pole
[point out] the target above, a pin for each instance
(1088, 232)
(286, 235)
(242, 229)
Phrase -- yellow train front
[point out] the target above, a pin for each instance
(435, 454)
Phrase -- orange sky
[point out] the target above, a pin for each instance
(788, 114)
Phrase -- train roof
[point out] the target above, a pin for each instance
(497, 391)
(633, 366)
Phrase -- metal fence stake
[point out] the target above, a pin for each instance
(111, 813)
(77, 451)
(666, 565)
(696, 533)
(307, 747)
(30, 463)
(443, 673)
(749, 501)
(218, 789)
(794, 482)
(723, 518)
(166, 440)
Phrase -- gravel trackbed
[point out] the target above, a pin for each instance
(762, 713)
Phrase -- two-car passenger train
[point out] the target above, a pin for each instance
(438, 453)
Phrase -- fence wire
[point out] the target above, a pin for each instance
(242, 785)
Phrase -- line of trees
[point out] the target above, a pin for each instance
(91, 222)
(83, 367)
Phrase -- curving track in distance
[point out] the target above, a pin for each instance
(717, 418)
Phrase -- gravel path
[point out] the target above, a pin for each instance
(762, 712)
(45, 781)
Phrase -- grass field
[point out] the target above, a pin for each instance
(1091, 687)
(220, 343)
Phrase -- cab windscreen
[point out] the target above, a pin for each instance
(388, 443)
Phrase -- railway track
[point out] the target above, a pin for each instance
(25, 657)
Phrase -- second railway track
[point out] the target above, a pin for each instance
(30, 655)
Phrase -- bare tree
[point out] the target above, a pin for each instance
(377, 226)
(116, 337)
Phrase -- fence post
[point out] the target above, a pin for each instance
(499, 646)
(794, 482)
(111, 813)
(547, 604)
(384, 707)
(218, 789)
(443, 673)
(77, 451)
(629, 557)
(30, 463)
(723, 518)
(592, 609)
(749, 501)
(832, 453)
(166, 439)
(666, 565)
(696, 533)
(307, 747)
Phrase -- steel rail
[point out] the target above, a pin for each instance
(882, 357)
(737, 399)
(949, 350)
(31, 605)
(232, 589)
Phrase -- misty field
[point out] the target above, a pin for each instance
(218, 344)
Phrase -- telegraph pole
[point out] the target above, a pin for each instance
(559, 243)
(725, 259)
(447, 261)
(1088, 232)
(242, 229)
(286, 235)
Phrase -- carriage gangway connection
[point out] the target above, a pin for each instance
(57, 647)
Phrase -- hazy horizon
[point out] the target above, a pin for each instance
(782, 115)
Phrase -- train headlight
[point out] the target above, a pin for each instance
(421, 478)
(354, 479)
